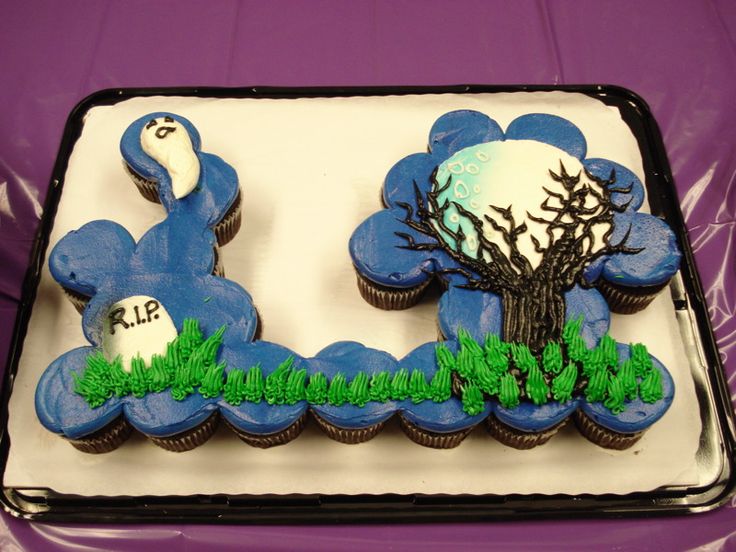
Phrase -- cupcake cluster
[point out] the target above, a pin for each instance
(173, 350)
(471, 382)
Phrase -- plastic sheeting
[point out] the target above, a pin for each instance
(679, 56)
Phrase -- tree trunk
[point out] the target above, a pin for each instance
(534, 315)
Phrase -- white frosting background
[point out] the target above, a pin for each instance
(310, 171)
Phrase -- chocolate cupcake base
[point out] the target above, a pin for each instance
(348, 436)
(147, 188)
(521, 440)
(604, 437)
(106, 439)
(192, 438)
(271, 439)
(628, 300)
(218, 269)
(432, 439)
(230, 222)
(77, 299)
(388, 298)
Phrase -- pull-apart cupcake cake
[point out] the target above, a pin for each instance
(531, 242)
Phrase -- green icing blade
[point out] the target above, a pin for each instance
(254, 385)
(358, 390)
(234, 391)
(380, 387)
(473, 403)
(564, 384)
(440, 387)
(509, 394)
(400, 385)
(418, 387)
(536, 386)
(337, 394)
(317, 389)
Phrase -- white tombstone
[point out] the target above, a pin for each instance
(137, 325)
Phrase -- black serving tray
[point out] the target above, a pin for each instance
(715, 455)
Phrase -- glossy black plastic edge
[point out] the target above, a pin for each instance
(47, 505)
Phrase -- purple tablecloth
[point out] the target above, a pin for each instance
(680, 56)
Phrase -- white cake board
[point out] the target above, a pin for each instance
(311, 171)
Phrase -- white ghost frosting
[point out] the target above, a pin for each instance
(168, 142)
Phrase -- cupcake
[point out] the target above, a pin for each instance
(630, 282)
(263, 399)
(528, 425)
(380, 282)
(429, 413)
(388, 298)
(97, 430)
(350, 391)
(105, 439)
(76, 259)
(168, 428)
(629, 409)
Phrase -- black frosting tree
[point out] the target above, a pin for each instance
(533, 297)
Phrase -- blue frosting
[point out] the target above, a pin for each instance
(549, 129)
(530, 417)
(653, 265)
(173, 261)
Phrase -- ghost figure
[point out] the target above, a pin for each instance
(168, 142)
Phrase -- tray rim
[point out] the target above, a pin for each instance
(46, 505)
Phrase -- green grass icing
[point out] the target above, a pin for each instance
(212, 382)
(234, 391)
(254, 384)
(552, 361)
(473, 402)
(380, 386)
(616, 395)
(358, 390)
(400, 385)
(296, 389)
(466, 363)
(468, 343)
(418, 387)
(337, 394)
(276, 381)
(440, 389)
(536, 386)
(445, 358)
(317, 389)
(509, 392)
(138, 383)
(564, 383)
(158, 376)
(493, 369)
(650, 389)
(523, 357)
